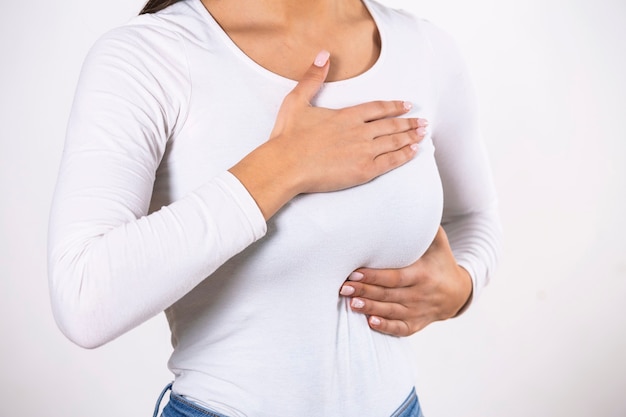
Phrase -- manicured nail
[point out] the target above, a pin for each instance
(356, 276)
(357, 303)
(421, 131)
(374, 321)
(346, 290)
(321, 59)
(407, 105)
(414, 147)
(422, 122)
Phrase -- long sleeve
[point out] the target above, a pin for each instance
(111, 265)
(470, 216)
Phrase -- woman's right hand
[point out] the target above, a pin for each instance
(314, 149)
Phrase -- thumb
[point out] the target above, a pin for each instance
(312, 80)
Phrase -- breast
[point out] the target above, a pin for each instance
(386, 223)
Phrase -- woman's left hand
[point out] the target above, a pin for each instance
(403, 301)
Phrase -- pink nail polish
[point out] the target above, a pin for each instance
(374, 321)
(321, 59)
(422, 122)
(421, 131)
(407, 105)
(414, 147)
(346, 290)
(356, 276)
(357, 303)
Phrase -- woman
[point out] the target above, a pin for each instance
(200, 179)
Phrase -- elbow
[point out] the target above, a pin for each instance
(79, 313)
(79, 325)
(82, 339)
(81, 289)
(81, 335)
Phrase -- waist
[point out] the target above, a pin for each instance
(293, 364)
(356, 400)
(186, 406)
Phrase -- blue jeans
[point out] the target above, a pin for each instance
(178, 406)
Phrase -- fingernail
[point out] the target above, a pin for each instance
(346, 290)
(422, 122)
(421, 131)
(356, 276)
(407, 105)
(321, 59)
(414, 147)
(374, 321)
(357, 303)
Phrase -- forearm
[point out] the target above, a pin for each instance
(105, 282)
(475, 239)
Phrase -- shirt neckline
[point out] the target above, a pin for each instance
(242, 56)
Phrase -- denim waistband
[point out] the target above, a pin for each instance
(410, 407)
(178, 406)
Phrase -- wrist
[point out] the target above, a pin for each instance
(268, 177)
(467, 290)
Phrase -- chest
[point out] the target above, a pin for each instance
(232, 109)
(234, 102)
(287, 46)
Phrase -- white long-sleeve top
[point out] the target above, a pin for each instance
(146, 218)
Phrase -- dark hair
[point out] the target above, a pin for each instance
(153, 6)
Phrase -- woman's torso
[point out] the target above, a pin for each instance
(267, 334)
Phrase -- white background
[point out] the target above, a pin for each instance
(548, 337)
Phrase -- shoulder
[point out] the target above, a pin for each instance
(411, 29)
(158, 38)
(143, 64)
(148, 51)
(399, 19)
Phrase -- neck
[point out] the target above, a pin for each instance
(287, 13)
(283, 36)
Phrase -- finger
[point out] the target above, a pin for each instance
(389, 311)
(384, 127)
(397, 328)
(397, 141)
(391, 318)
(374, 292)
(311, 82)
(375, 110)
(390, 278)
